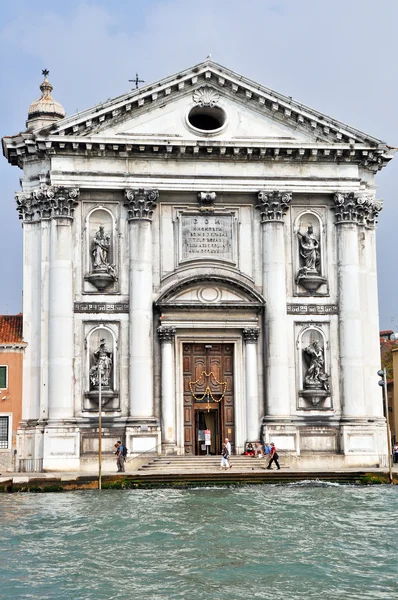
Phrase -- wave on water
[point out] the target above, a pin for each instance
(314, 483)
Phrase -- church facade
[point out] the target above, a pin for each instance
(200, 255)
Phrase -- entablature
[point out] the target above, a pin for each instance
(268, 151)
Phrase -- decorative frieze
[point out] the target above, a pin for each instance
(273, 205)
(166, 333)
(250, 335)
(312, 309)
(359, 209)
(101, 307)
(47, 202)
(140, 204)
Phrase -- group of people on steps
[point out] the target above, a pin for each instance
(268, 451)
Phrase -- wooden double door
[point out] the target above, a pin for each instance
(208, 397)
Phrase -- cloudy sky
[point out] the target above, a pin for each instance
(338, 56)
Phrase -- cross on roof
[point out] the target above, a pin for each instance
(136, 81)
(45, 72)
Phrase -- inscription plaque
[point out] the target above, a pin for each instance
(99, 307)
(209, 236)
(312, 309)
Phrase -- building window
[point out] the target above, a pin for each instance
(4, 425)
(3, 378)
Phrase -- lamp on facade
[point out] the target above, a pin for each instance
(383, 383)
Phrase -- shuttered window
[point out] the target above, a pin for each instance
(3, 378)
(4, 424)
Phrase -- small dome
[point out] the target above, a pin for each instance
(46, 107)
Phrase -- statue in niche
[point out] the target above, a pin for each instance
(309, 274)
(309, 249)
(315, 376)
(103, 365)
(100, 249)
(103, 273)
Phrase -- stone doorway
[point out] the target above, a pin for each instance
(208, 395)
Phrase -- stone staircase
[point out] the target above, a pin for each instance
(202, 464)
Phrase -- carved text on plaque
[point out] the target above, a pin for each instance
(207, 236)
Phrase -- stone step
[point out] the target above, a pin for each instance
(201, 464)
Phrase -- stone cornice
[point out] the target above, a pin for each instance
(273, 205)
(47, 202)
(360, 209)
(140, 204)
(19, 148)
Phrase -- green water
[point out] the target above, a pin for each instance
(270, 542)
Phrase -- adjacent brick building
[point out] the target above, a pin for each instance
(11, 355)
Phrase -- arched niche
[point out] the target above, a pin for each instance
(100, 256)
(309, 252)
(101, 358)
(313, 365)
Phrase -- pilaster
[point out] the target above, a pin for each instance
(250, 336)
(168, 410)
(140, 205)
(353, 212)
(273, 206)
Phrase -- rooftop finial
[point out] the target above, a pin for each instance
(137, 80)
(44, 110)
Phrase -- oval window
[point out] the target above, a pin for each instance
(207, 118)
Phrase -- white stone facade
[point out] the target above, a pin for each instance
(200, 228)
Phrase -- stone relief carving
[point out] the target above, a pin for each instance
(103, 360)
(47, 202)
(206, 96)
(273, 205)
(359, 209)
(309, 275)
(140, 203)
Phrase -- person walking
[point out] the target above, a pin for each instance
(120, 457)
(225, 454)
(395, 453)
(273, 457)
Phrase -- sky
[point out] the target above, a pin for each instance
(337, 56)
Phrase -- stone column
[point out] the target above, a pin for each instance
(371, 331)
(250, 336)
(273, 206)
(166, 337)
(59, 203)
(26, 207)
(140, 206)
(350, 212)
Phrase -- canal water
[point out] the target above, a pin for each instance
(320, 541)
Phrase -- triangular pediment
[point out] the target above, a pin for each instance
(253, 112)
(157, 119)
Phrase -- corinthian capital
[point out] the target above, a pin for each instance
(140, 204)
(166, 334)
(250, 335)
(273, 205)
(360, 209)
(47, 202)
(25, 206)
